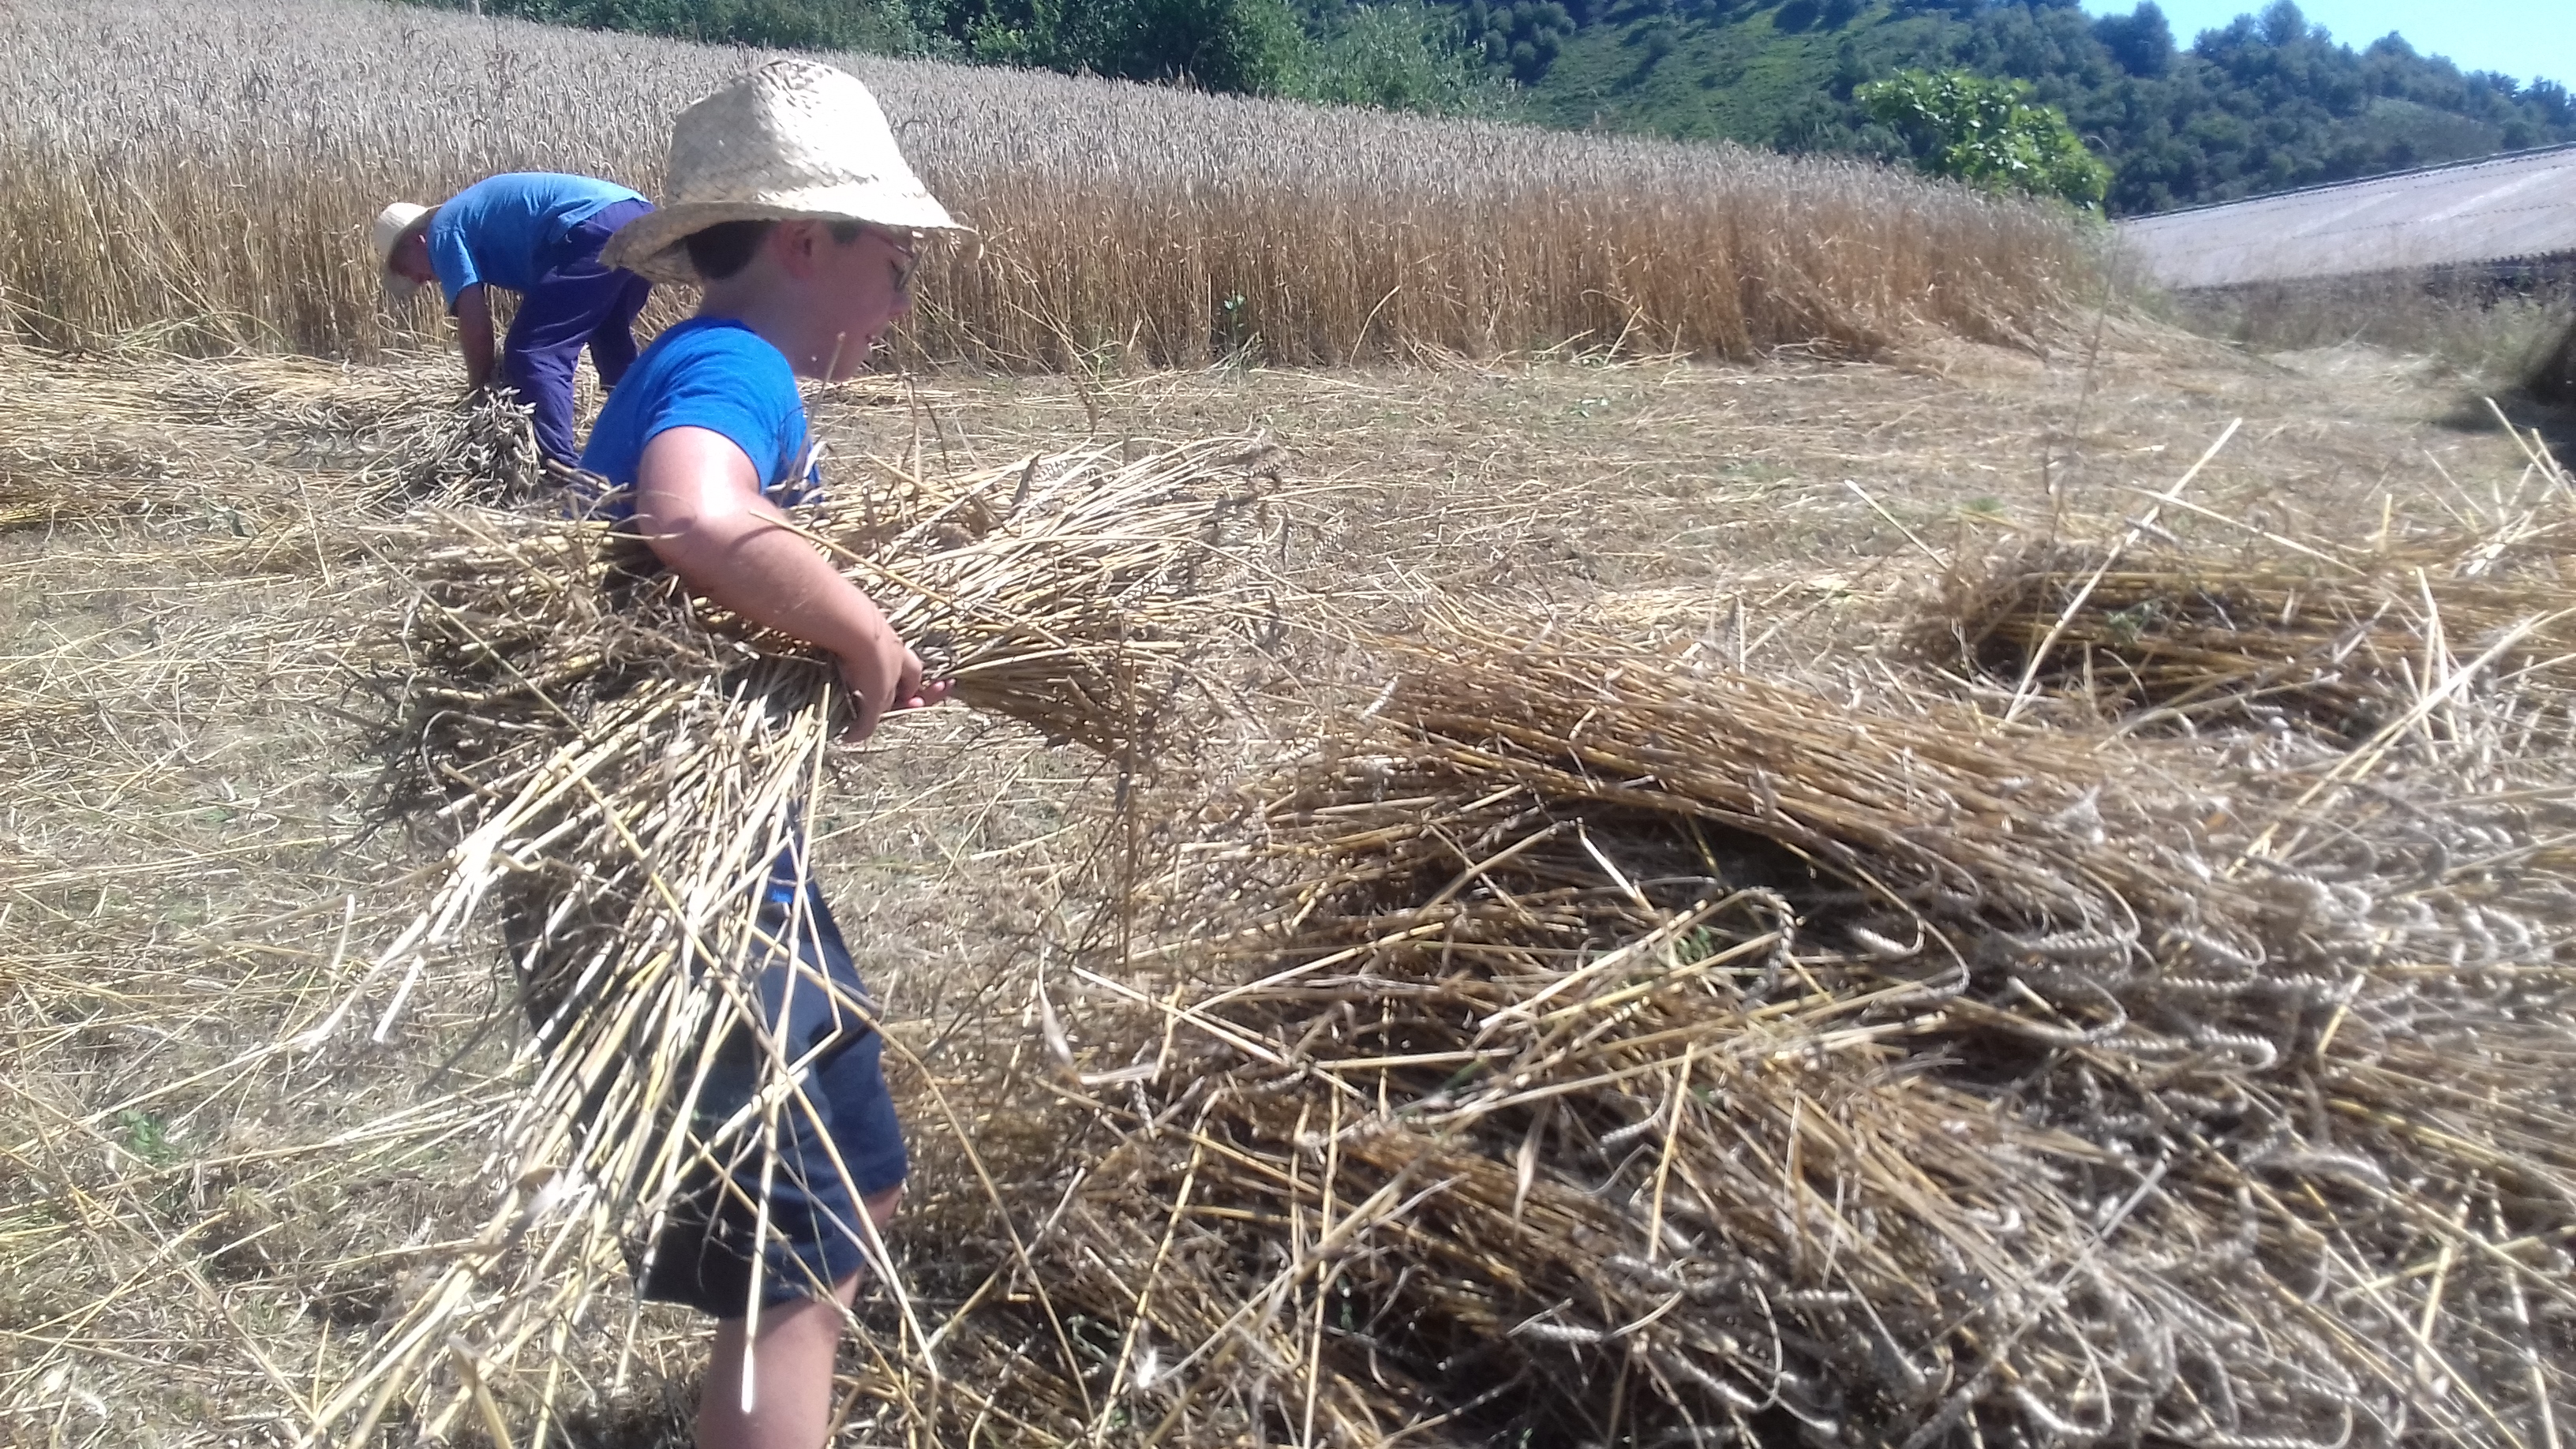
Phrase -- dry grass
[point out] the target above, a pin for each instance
(181, 864)
(2501, 335)
(202, 174)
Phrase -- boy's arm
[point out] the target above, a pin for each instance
(698, 503)
(474, 334)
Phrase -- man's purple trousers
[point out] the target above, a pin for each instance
(576, 303)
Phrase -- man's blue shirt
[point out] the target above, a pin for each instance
(713, 373)
(503, 230)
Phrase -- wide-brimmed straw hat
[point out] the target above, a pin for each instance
(393, 224)
(793, 139)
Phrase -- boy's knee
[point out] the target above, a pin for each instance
(881, 1206)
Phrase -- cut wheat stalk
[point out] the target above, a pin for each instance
(629, 768)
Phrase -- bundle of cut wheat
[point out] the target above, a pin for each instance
(1586, 1049)
(2337, 652)
(77, 481)
(481, 450)
(33, 499)
(2334, 637)
(629, 766)
(306, 405)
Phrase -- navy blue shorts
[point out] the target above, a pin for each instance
(843, 1144)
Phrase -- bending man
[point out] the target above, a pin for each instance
(538, 234)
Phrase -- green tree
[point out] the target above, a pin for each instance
(1224, 45)
(1399, 56)
(1987, 133)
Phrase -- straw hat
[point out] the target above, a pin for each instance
(393, 224)
(793, 139)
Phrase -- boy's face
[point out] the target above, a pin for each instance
(854, 290)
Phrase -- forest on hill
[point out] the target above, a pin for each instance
(2268, 102)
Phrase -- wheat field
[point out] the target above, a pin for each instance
(199, 177)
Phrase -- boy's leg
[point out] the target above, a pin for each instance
(842, 1156)
(790, 1363)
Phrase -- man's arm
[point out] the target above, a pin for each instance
(474, 334)
(698, 503)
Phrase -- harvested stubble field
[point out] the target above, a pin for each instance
(1756, 1200)
(201, 175)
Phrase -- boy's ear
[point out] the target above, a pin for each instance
(796, 243)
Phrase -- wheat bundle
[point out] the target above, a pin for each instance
(2334, 637)
(1589, 1050)
(306, 406)
(482, 449)
(2335, 653)
(36, 500)
(629, 768)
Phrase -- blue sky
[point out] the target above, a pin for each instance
(2522, 38)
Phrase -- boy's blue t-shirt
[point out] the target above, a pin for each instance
(501, 230)
(713, 373)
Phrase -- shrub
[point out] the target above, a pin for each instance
(1988, 133)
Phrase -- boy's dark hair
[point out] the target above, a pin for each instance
(727, 247)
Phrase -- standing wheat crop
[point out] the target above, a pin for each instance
(197, 174)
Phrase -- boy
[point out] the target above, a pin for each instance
(538, 234)
(790, 204)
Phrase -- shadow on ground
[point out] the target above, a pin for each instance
(2552, 419)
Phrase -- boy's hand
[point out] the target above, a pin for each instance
(881, 675)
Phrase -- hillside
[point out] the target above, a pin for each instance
(2267, 103)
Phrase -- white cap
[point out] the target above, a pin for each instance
(795, 139)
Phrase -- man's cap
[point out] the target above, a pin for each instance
(393, 224)
(793, 140)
